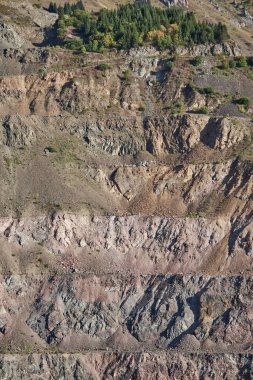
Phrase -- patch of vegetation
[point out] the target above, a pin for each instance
(126, 75)
(63, 151)
(55, 349)
(224, 65)
(208, 206)
(132, 25)
(203, 110)
(169, 64)
(196, 61)
(13, 160)
(66, 9)
(190, 87)
(29, 348)
(180, 107)
(75, 44)
(42, 71)
(232, 64)
(244, 101)
(51, 149)
(5, 348)
(37, 5)
(207, 91)
(177, 108)
(242, 62)
(52, 208)
(103, 67)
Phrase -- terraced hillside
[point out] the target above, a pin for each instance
(126, 220)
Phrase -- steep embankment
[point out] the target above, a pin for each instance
(126, 216)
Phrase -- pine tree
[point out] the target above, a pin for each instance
(221, 34)
(134, 41)
(80, 5)
(67, 8)
(60, 11)
(52, 7)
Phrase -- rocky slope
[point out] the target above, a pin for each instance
(126, 222)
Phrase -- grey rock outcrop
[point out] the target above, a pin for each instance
(17, 133)
(9, 37)
(202, 50)
(94, 366)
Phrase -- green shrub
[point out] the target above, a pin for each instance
(203, 110)
(103, 67)
(242, 62)
(207, 90)
(126, 75)
(190, 87)
(42, 70)
(243, 101)
(51, 149)
(169, 65)
(142, 108)
(196, 61)
(232, 64)
(224, 65)
(179, 107)
(75, 44)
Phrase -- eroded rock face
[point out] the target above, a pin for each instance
(129, 135)
(176, 3)
(17, 132)
(149, 312)
(184, 132)
(94, 366)
(141, 243)
(202, 50)
(20, 61)
(169, 243)
(9, 38)
(127, 237)
(54, 93)
(224, 133)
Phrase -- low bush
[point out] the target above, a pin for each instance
(75, 44)
(207, 90)
(243, 101)
(169, 65)
(51, 149)
(242, 62)
(196, 61)
(203, 110)
(224, 65)
(232, 64)
(103, 67)
(126, 75)
(190, 88)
